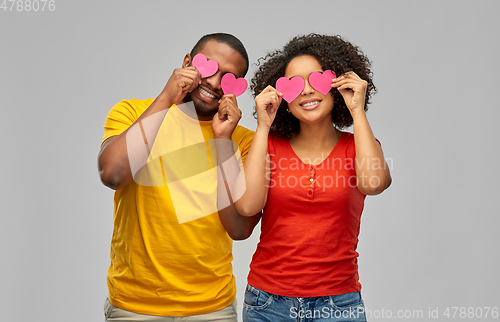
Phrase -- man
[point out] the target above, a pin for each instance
(170, 253)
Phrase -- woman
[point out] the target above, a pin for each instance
(311, 179)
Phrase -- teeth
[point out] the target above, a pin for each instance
(310, 104)
(204, 92)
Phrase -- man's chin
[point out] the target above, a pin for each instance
(204, 112)
(203, 109)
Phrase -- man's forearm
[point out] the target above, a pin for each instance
(122, 155)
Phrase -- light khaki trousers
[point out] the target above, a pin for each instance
(115, 314)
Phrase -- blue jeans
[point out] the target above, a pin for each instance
(262, 306)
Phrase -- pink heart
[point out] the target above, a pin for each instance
(206, 67)
(232, 85)
(322, 82)
(290, 88)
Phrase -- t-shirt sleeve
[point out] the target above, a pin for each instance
(120, 117)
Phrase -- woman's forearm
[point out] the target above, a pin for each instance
(253, 183)
(372, 170)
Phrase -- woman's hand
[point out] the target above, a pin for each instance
(266, 105)
(353, 90)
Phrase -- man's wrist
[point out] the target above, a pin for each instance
(164, 100)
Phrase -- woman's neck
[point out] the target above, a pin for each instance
(317, 135)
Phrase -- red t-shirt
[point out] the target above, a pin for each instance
(310, 224)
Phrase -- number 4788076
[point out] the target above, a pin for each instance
(28, 5)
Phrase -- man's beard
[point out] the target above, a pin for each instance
(200, 106)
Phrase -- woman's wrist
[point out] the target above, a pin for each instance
(263, 129)
(358, 113)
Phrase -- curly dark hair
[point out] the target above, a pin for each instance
(332, 52)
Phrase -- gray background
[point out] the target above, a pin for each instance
(430, 241)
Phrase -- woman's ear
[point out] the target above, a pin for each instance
(186, 61)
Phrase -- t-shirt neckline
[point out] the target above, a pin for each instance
(341, 139)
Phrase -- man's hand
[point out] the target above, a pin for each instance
(182, 81)
(227, 117)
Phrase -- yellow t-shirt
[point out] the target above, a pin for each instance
(170, 254)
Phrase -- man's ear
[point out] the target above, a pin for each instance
(186, 61)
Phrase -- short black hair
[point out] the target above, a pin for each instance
(223, 38)
(331, 52)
